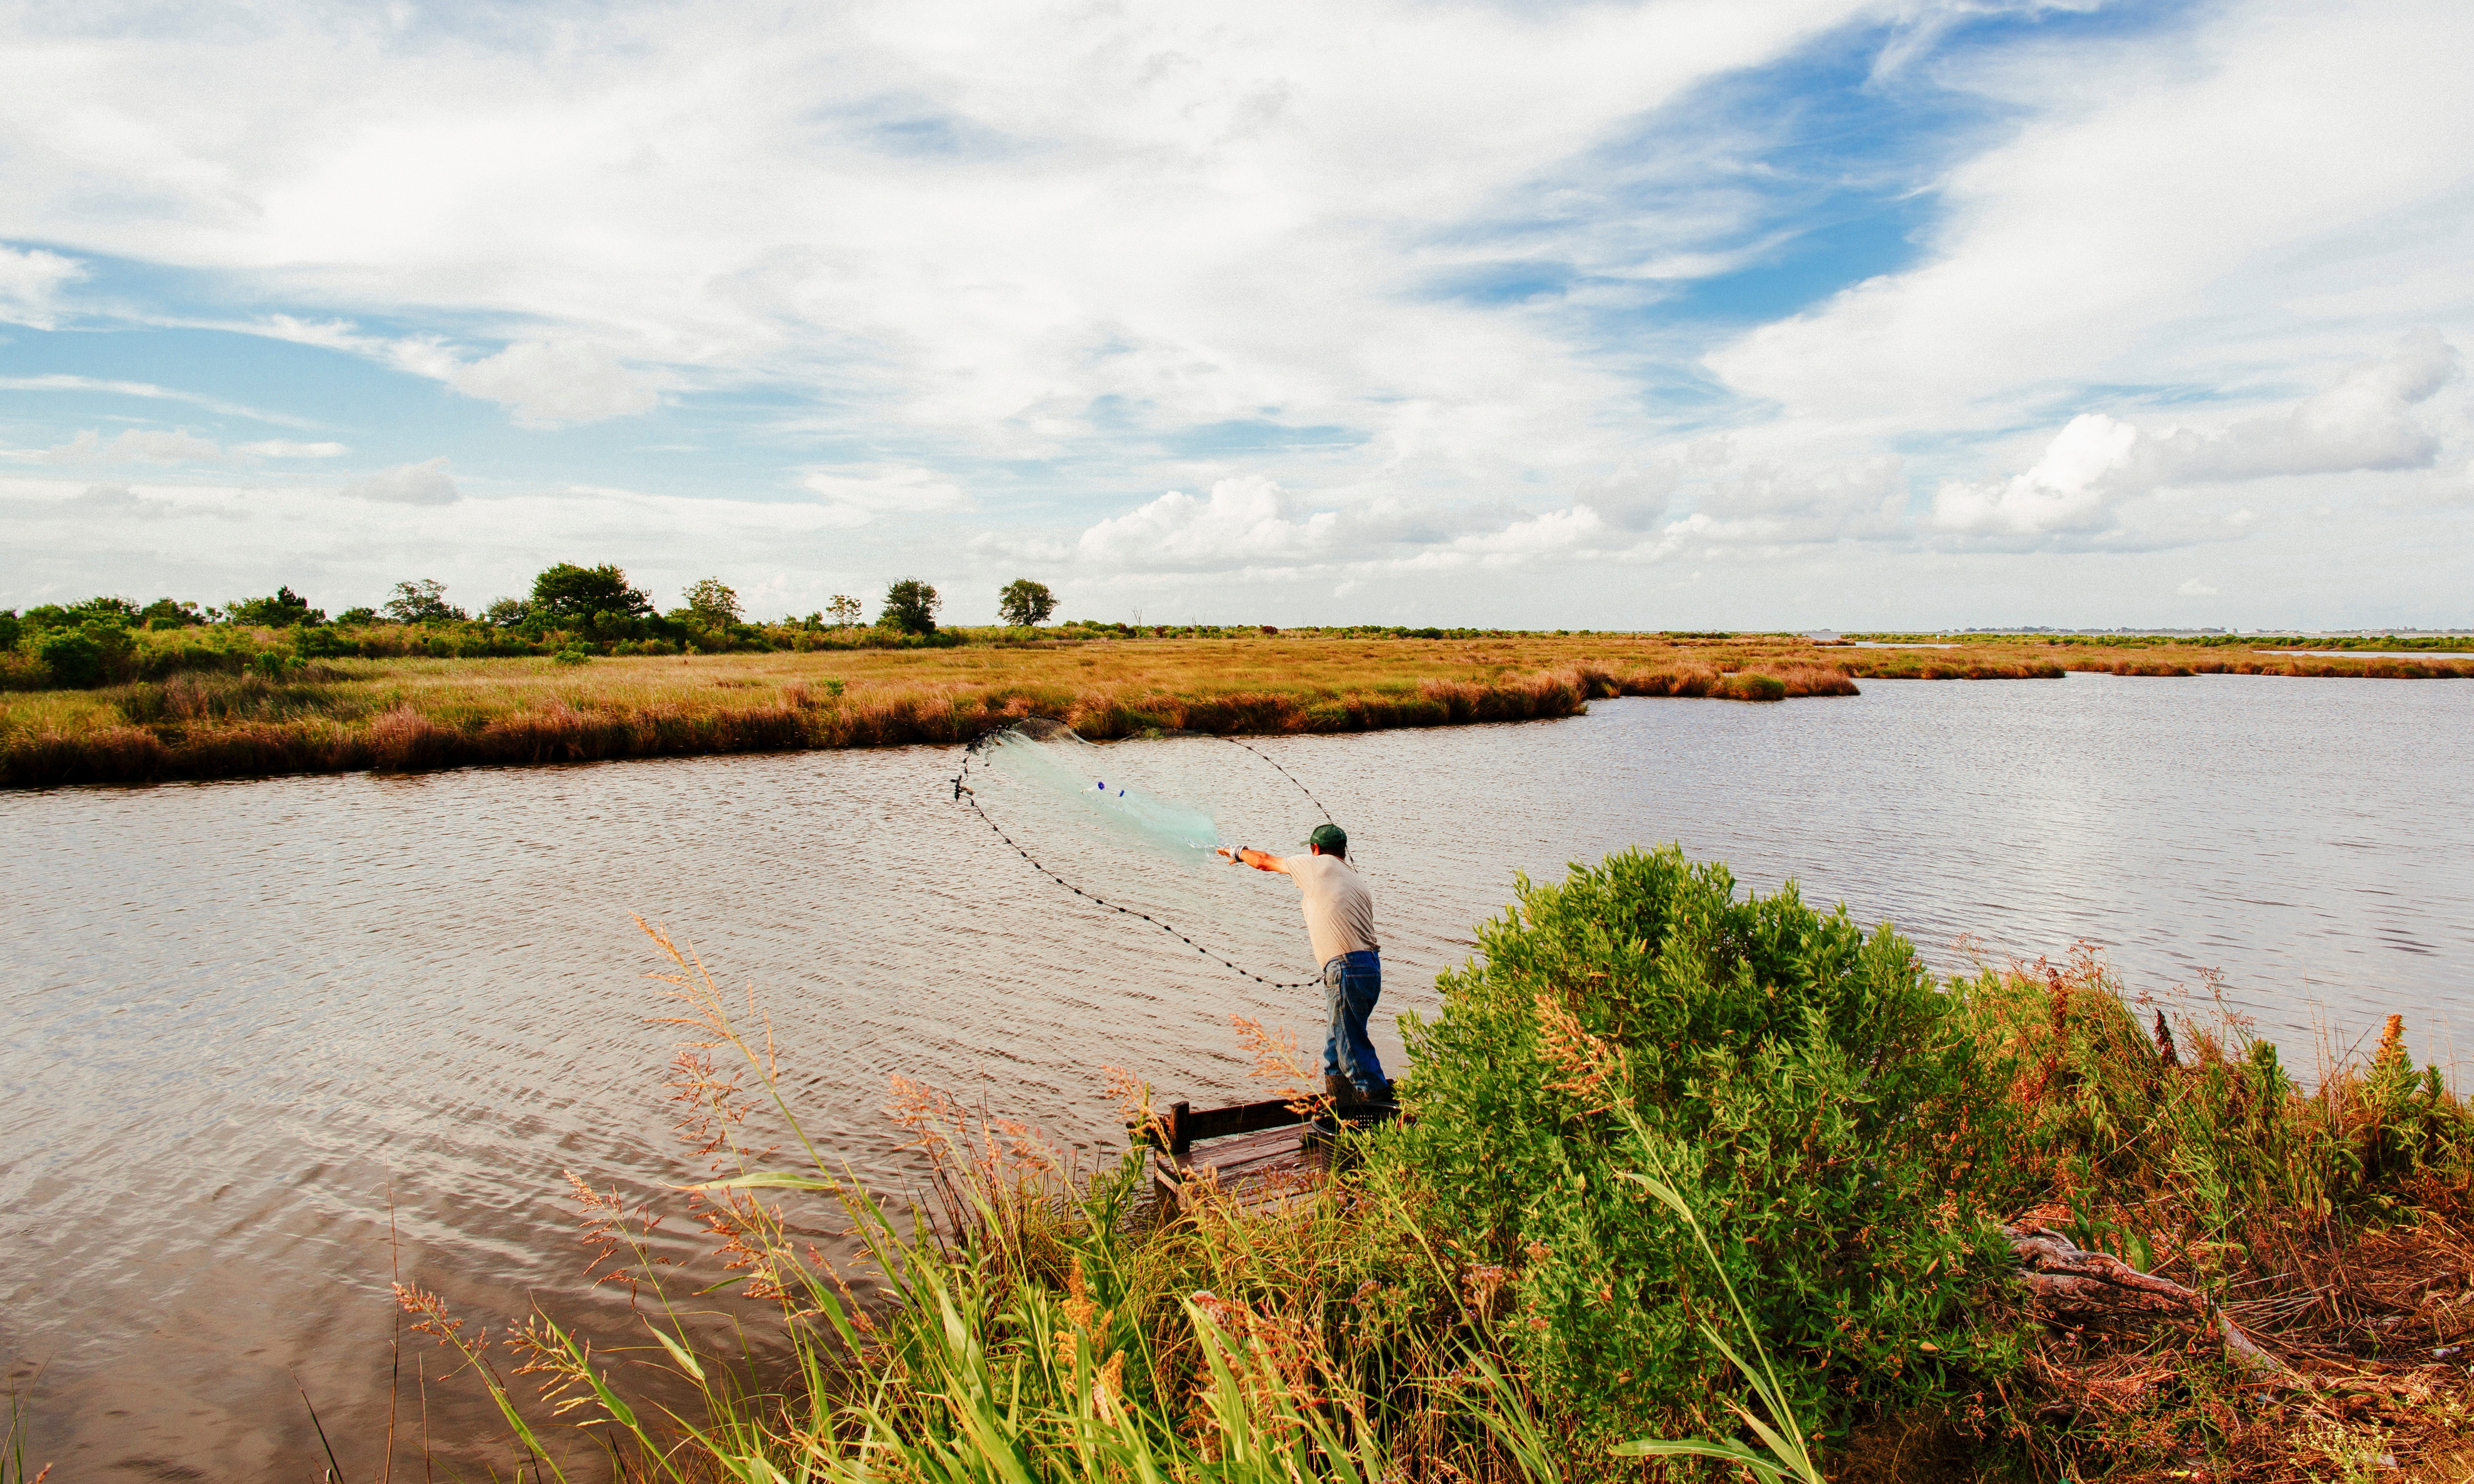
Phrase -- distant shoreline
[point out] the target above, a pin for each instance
(266, 710)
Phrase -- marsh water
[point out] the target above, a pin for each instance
(268, 1044)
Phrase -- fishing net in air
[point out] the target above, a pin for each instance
(1135, 826)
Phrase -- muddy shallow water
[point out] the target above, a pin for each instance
(250, 1023)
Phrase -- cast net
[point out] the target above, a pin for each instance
(1134, 827)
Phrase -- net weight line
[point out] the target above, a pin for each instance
(965, 793)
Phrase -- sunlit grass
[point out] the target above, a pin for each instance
(418, 710)
(1028, 1325)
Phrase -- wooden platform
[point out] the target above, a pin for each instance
(1262, 1156)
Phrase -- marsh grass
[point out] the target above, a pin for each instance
(418, 712)
(14, 1469)
(1693, 1183)
(247, 707)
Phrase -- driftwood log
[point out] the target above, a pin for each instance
(2071, 1282)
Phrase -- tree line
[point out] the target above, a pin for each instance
(563, 595)
(573, 610)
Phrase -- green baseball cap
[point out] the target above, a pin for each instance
(1330, 837)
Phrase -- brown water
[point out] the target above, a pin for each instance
(246, 1016)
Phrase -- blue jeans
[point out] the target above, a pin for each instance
(1351, 984)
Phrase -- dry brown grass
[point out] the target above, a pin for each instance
(413, 714)
(416, 712)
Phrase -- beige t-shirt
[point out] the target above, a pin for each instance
(1340, 912)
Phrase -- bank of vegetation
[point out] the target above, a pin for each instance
(1680, 1169)
(110, 691)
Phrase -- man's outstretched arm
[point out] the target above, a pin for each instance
(1259, 860)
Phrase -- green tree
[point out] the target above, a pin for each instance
(711, 604)
(1024, 603)
(93, 609)
(422, 601)
(285, 608)
(844, 610)
(572, 593)
(506, 612)
(165, 613)
(911, 607)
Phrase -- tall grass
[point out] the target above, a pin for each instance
(248, 707)
(1689, 1182)
(417, 713)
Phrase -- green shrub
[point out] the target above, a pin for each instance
(283, 610)
(1750, 686)
(318, 642)
(571, 656)
(1822, 1108)
(91, 654)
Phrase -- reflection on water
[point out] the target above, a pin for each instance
(247, 1016)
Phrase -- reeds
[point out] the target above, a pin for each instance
(240, 710)
(2328, 1219)
(416, 714)
(1029, 1323)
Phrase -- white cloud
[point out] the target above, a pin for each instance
(2194, 588)
(170, 446)
(1242, 521)
(551, 383)
(2220, 212)
(277, 448)
(543, 382)
(970, 240)
(2065, 491)
(151, 445)
(859, 493)
(2364, 421)
(108, 500)
(426, 483)
(30, 284)
(57, 381)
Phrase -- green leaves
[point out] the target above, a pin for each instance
(1801, 1089)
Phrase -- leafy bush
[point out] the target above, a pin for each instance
(284, 608)
(89, 655)
(571, 656)
(1804, 1086)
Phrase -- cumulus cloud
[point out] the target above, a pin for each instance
(2364, 421)
(2194, 588)
(552, 384)
(859, 493)
(30, 284)
(1241, 521)
(2064, 491)
(426, 483)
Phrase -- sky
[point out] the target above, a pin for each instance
(1700, 313)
